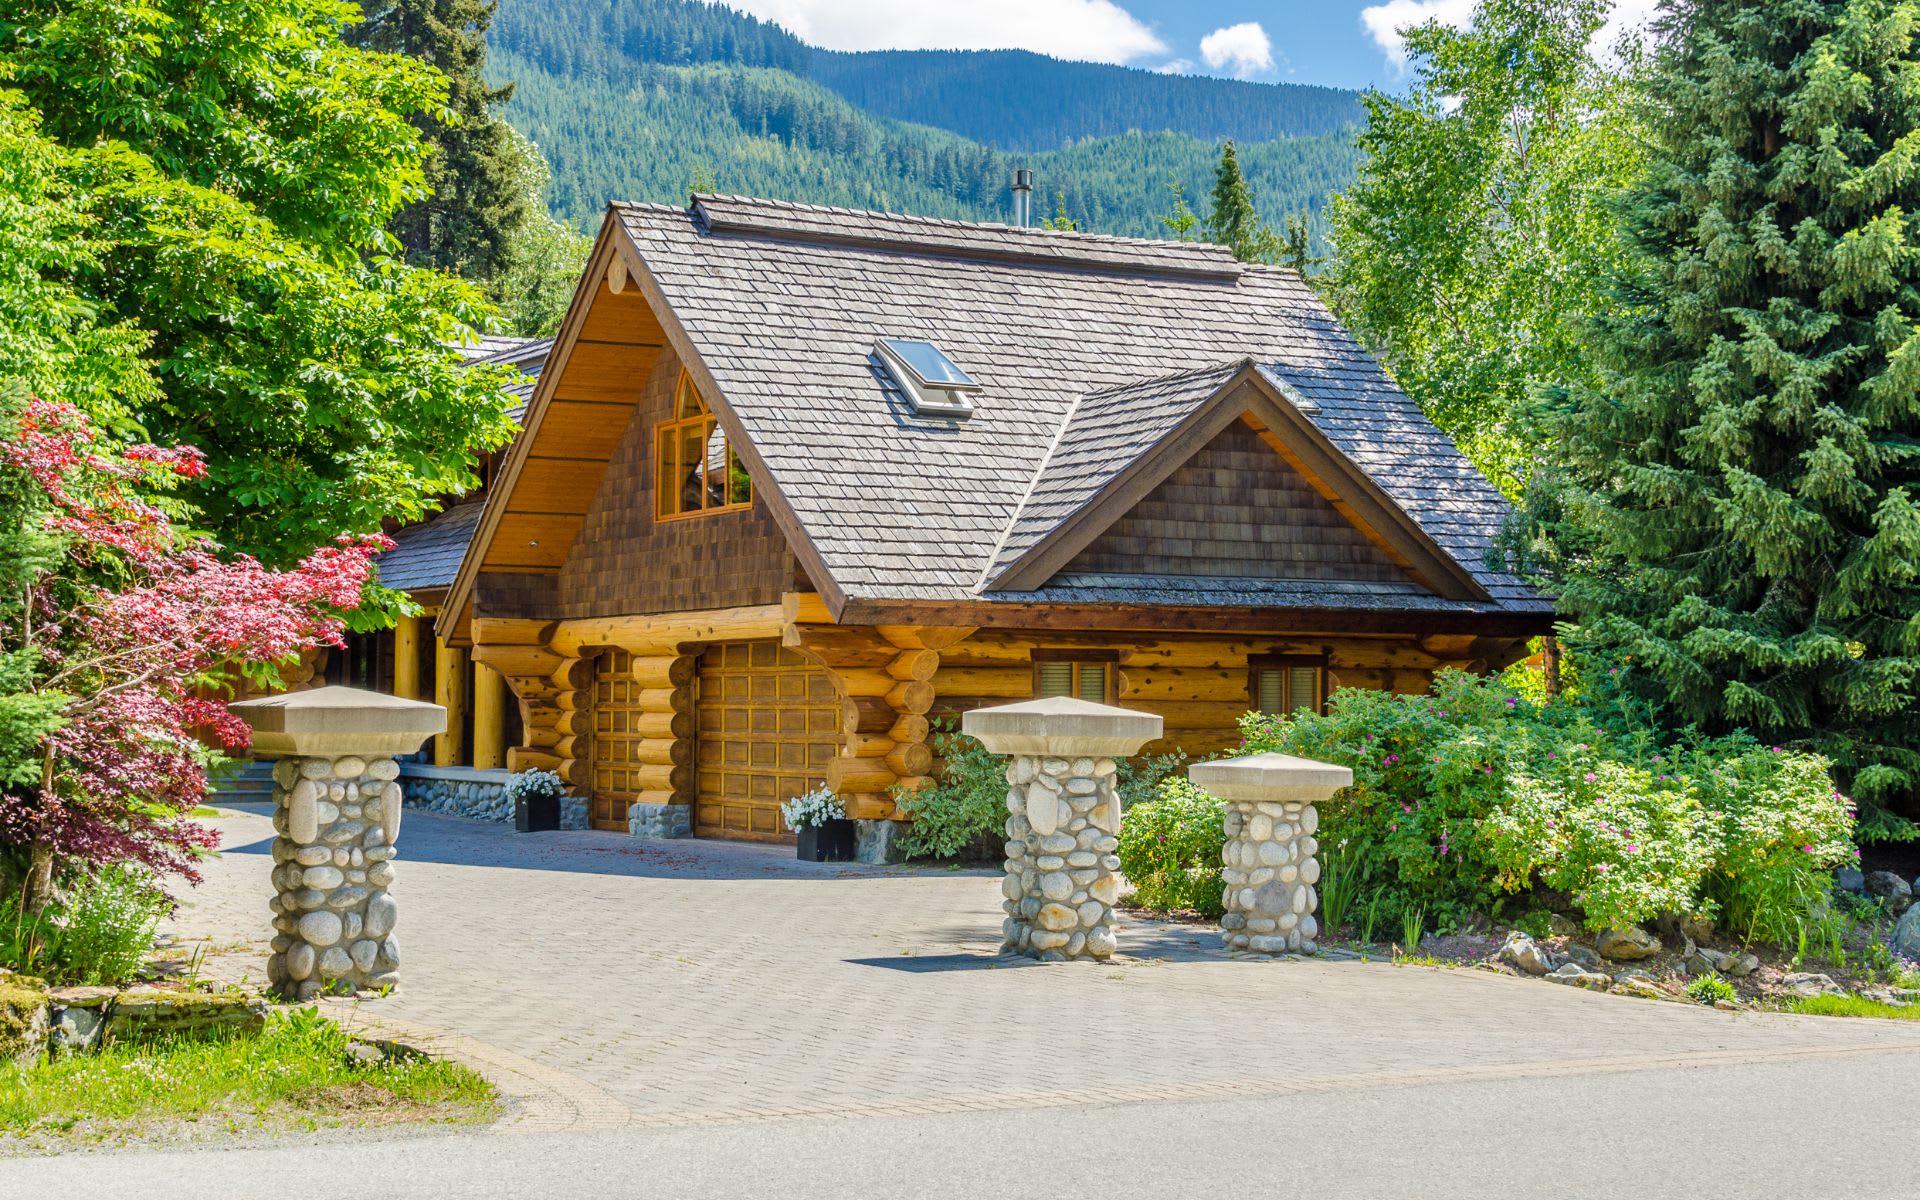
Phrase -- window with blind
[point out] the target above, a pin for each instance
(1081, 678)
(1282, 687)
(695, 470)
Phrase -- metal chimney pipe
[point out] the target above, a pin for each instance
(1022, 197)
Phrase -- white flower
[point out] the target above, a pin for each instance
(816, 807)
(532, 785)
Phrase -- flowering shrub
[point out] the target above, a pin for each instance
(1625, 844)
(1471, 794)
(533, 785)
(1170, 849)
(816, 807)
(115, 631)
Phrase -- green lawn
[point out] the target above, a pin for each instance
(298, 1075)
(1852, 1006)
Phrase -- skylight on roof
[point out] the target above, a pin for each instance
(934, 384)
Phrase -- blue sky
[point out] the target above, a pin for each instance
(1340, 43)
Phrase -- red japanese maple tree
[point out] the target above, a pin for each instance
(119, 630)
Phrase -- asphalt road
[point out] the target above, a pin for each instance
(1829, 1127)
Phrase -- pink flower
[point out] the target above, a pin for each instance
(1806, 849)
(1602, 868)
(1591, 777)
(1632, 849)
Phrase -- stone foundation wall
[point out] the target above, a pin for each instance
(660, 820)
(480, 800)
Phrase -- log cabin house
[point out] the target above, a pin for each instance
(797, 479)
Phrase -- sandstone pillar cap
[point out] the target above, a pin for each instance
(330, 722)
(1062, 727)
(1270, 778)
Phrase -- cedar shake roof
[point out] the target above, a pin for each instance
(1089, 350)
(428, 555)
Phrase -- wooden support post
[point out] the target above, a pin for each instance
(406, 658)
(489, 717)
(450, 692)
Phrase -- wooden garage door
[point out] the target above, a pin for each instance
(616, 740)
(769, 724)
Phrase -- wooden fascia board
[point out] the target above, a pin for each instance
(784, 515)
(995, 614)
(460, 595)
(1380, 513)
(1044, 559)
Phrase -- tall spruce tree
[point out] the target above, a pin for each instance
(478, 203)
(1744, 520)
(1233, 221)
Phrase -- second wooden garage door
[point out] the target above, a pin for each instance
(769, 725)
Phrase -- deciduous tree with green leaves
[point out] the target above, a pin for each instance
(237, 165)
(1741, 491)
(1478, 232)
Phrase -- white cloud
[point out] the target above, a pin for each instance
(1175, 66)
(1244, 49)
(1088, 30)
(1385, 21)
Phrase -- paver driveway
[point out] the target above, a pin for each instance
(612, 981)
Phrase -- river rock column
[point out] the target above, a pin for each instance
(1063, 819)
(1270, 864)
(337, 805)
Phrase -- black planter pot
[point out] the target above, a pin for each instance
(536, 814)
(828, 842)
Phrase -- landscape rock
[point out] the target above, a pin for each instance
(1523, 953)
(1627, 945)
(1850, 879)
(1906, 934)
(1577, 976)
(1890, 887)
(1638, 985)
(1807, 983)
(1584, 955)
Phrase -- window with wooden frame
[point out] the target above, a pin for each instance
(695, 471)
(1286, 683)
(1082, 674)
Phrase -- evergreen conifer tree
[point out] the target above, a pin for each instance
(1233, 221)
(1743, 524)
(477, 205)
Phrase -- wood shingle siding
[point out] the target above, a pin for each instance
(1236, 510)
(626, 561)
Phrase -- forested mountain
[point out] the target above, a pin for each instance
(648, 99)
(1017, 100)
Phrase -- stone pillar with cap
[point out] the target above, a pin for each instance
(1271, 867)
(1063, 819)
(337, 816)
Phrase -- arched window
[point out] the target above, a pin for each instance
(695, 471)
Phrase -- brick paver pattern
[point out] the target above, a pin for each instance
(605, 980)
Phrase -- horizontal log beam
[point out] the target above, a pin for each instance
(924, 637)
(665, 632)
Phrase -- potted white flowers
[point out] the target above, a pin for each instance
(536, 801)
(820, 826)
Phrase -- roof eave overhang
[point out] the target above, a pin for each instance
(1254, 619)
